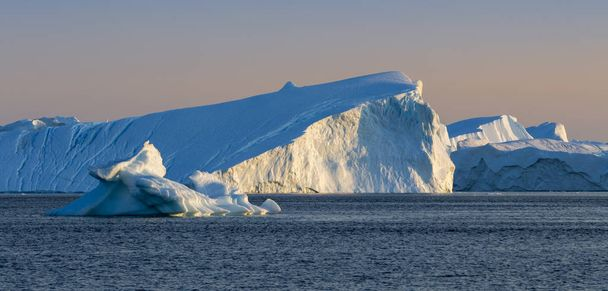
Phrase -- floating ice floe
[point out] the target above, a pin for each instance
(137, 187)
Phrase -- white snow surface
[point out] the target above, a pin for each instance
(532, 165)
(210, 184)
(221, 136)
(36, 124)
(136, 187)
(552, 130)
(148, 162)
(483, 130)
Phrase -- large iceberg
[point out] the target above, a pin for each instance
(499, 154)
(532, 165)
(366, 134)
(137, 187)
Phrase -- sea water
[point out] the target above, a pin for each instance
(373, 241)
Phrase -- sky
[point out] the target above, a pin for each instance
(102, 60)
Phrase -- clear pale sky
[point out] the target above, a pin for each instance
(97, 60)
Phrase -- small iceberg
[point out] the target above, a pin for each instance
(137, 187)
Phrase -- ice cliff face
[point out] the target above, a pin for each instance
(483, 130)
(532, 165)
(396, 144)
(274, 127)
(551, 130)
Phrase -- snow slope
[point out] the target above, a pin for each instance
(552, 130)
(532, 165)
(137, 187)
(35, 124)
(221, 136)
(483, 130)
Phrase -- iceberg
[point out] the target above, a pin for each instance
(499, 154)
(532, 165)
(551, 130)
(365, 134)
(483, 130)
(137, 187)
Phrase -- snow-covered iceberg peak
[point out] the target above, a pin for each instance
(550, 130)
(483, 130)
(419, 87)
(289, 86)
(147, 162)
(137, 187)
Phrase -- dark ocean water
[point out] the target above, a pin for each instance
(515, 241)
